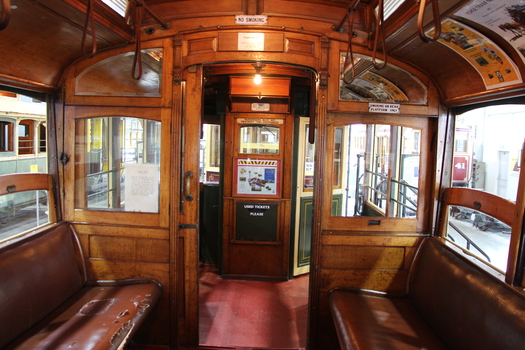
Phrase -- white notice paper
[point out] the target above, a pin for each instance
(250, 42)
(142, 188)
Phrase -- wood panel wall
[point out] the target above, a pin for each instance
(117, 252)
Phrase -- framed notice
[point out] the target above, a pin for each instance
(257, 177)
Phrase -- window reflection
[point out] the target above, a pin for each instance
(22, 211)
(108, 150)
(481, 234)
(379, 168)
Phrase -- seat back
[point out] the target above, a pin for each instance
(467, 307)
(37, 275)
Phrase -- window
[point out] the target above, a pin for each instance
(488, 143)
(381, 174)
(259, 139)
(25, 137)
(119, 6)
(118, 165)
(487, 154)
(210, 154)
(6, 136)
(22, 123)
(22, 211)
(42, 138)
(481, 234)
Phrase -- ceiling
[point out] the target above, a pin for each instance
(44, 37)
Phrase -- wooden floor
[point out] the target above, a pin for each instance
(252, 314)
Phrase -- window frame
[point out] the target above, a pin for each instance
(495, 206)
(421, 222)
(15, 183)
(160, 219)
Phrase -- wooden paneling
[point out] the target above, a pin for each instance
(372, 261)
(362, 257)
(244, 86)
(122, 231)
(202, 45)
(124, 248)
(299, 46)
(118, 252)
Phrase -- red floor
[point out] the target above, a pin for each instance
(252, 313)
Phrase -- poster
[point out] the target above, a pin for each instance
(142, 188)
(495, 67)
(257, 177)
(504, 17)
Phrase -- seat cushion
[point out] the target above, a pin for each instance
(374, 321)
(100, 317)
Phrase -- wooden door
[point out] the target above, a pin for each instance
(257, 195)
(187, 253)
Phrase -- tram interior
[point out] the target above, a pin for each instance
(251, 161)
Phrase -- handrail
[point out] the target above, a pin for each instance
(5, 16)
(351, 8)
(137, 59)
(469, 241)
(163, 24)
(349, 58)
(90, 16)
(436, 21)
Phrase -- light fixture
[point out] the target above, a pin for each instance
(258, 68)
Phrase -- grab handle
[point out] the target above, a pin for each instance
(188, 176)
(5, 14)
(436, 21)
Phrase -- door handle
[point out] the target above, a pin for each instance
(188, 176)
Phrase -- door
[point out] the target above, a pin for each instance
(257, 195)
(186, 243)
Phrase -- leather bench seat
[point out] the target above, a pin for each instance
(450, 303)
(46, 301)
(368, 321)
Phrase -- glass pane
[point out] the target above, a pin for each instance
(481, 234)
(259, 139)
(22, 211)
(22, 134)
(118, 165)
(338, 140)
(210, 154)
(380, 170)
(94, 81)
(488, 143)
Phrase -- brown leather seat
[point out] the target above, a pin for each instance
(46, 302)
(449, 303)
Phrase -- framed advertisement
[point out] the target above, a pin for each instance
(257, 177)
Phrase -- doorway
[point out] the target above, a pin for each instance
(250, 197)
